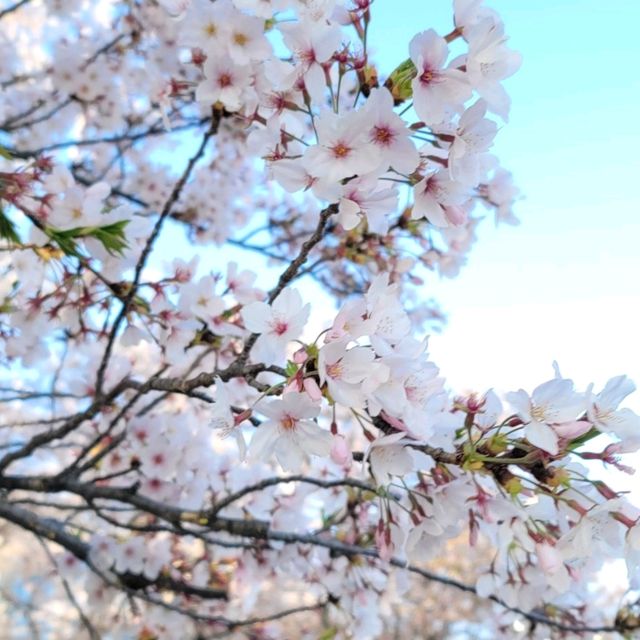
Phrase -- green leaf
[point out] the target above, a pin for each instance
(4, 153)
(291, 369)
(8, 229)
(399, 82)
(64, 239)
(585, 437)
(112, 237)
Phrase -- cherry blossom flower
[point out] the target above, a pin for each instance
(223, 419)
(184, 271)
(502, 193)
(246, 40)
(205, 24)
(474, 136)
(435, 88)
(351, 321)
(349, 373)
(550, 405)
(551, 562)
(388, 132)
(467, 13)
(289, 433)
(158, 556)
(439, 199)
(490, 410)
(200, 300)
(362, 197)
(389, 322)
(130, 555)
(74, 205)
(102, 551)
(489, 62)
(605, 415)
(344, 149)
(225, 81)
(277, 324)
(312, 46)
(159, 459)
(388, 456)
(240, 284)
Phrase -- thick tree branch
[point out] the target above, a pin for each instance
(53, 530)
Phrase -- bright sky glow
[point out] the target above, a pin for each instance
(565, 284)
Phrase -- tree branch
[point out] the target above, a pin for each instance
(166, 210)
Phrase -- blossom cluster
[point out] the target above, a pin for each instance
(199, 440)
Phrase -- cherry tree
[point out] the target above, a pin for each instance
(193, 442)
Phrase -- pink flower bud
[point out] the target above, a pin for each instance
(300, 356)
(383, 541)
(241, 417)
(474, 404)
(455, 215)
(312, 389)
(549, 558)
(394, 422)
(341, 452)
(572, 429)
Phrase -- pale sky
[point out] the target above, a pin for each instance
(565, 284)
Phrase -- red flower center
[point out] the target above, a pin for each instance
(340, 150)
(427, 76)
(224, 80)
(382, 135)
(280, 327)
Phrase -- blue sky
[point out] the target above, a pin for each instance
(565, 284)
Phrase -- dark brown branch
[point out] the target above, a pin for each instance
(125, 137)
(234, 624)
(270, 482)
(53, 530)
(54, 434)
(353, 550)
(13, 123)
(244, 528)
(13, 7)
(142, 260)
(292, 270)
